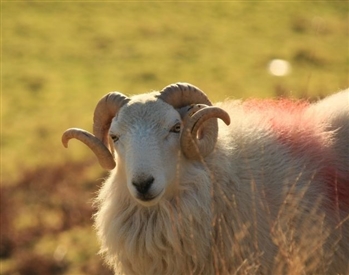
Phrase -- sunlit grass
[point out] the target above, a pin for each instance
(60, 58)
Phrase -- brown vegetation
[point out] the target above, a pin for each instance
(44, 205)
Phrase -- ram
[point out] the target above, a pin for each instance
(188, 194)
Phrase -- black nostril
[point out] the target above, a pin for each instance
(143, 185)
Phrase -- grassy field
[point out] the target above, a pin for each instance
(59, 58)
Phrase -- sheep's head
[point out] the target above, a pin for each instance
(149, 132)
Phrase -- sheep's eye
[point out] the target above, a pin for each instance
(176, 128)
(115, 138)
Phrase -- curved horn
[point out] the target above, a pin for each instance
(104, 156)
(106, 109)
(184, 94)
(193, 147)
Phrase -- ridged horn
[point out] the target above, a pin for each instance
(183, 94)
(195, 145)
(106, 109)
(180, 95)
(104, 156)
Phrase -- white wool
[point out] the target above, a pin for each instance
(246, 207)
(150, 237)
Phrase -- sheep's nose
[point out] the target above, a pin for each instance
(143, 185)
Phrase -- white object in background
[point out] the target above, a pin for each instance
(279, 67)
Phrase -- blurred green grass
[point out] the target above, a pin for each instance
(59, 58)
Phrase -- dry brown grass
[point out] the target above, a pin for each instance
(49, 205)
(42, 216)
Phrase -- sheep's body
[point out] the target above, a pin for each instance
(277, 178)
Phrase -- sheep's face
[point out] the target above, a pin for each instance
(146, 135)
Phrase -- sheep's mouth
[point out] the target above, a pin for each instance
(146, 197)
(149, 199)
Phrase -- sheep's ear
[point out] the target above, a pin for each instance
(200, 131)
(111, 146)
(187, 111)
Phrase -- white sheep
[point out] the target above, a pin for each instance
(251, 199)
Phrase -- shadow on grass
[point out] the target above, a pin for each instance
(44, 205)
